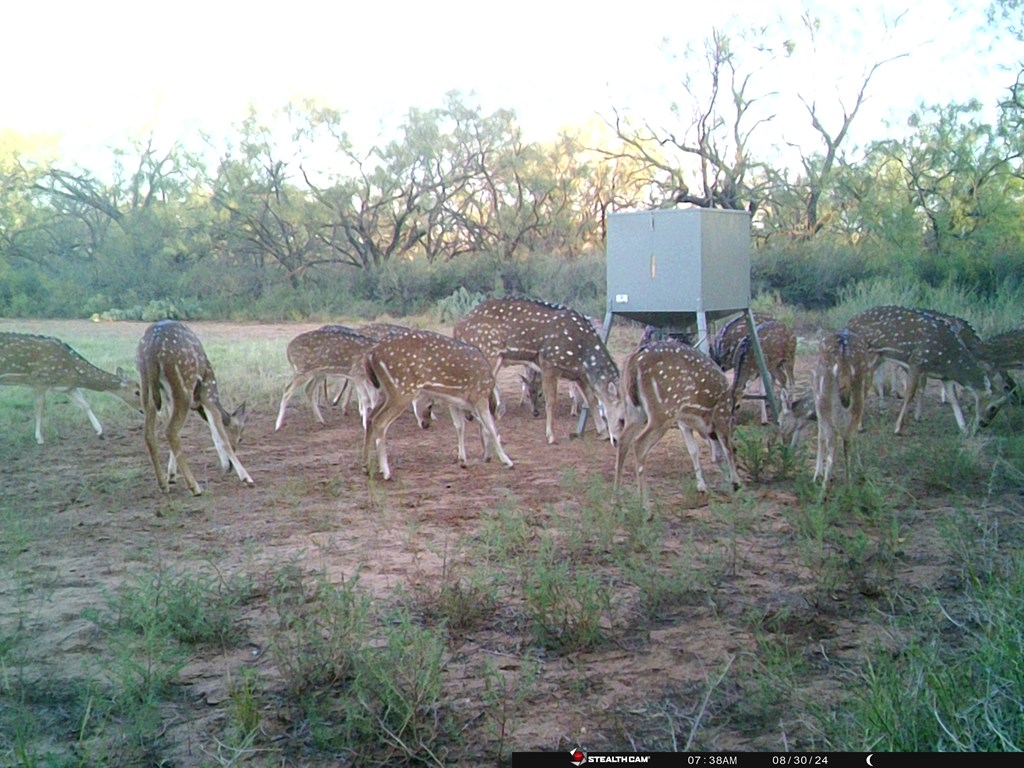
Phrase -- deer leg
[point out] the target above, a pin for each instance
(377, 423)
(344, 395)
(624, 446)
(459, 422)
(222, 444)
(149, 432)
(76, 396)
(177, 460)
(647, 439)
(913, 380)
(549, 385)
(313, 394)
(954, 403)
(725, 459)
(694, 450)
(296, 382)
(489, 432)
(824, 404)
(40, 410)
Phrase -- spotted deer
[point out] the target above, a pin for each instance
(329, 351)
(730, 335)
(406, 365)
(928, 345)
(778, 344)
(556, 340)
(839, 380)
(1005, 350)
(666, 383)
(531, 382)
(423, 406)
(44, 363)
(174, 366)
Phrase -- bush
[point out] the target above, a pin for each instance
(808, 275)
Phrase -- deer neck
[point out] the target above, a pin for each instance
(600, 371)
(87, 376)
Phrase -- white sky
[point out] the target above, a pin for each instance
(101, 72)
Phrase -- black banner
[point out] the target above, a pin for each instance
(580, 757)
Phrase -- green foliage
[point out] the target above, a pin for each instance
(504, 696)
(808, 275)
(197, 609)
(318, 632)
(568, 605)
(461, 301)
(988, 314)
(935, 698)
(761, 454)
(158, 309)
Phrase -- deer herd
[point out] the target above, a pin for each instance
(662, 382)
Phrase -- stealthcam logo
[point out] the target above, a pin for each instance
(577, 756)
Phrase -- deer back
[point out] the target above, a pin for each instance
(729, 336)
(404, 364)
(551, 336)
(922, 340)
(668, 380)
(778, 344)
(171, 360)
(333, 347)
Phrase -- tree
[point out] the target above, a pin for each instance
(706, 159)
(268, 219)
(127, 230)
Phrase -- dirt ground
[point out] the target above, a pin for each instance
(105, 520)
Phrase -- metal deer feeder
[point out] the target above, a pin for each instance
(676, 269)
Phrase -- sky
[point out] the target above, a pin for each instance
(92, 74)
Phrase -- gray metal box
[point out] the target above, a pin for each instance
(664, 263)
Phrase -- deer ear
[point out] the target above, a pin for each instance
(613, 389)
(239, 414)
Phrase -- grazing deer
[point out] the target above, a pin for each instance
(927, 344)
(173, 365)
(840, 381)
(666, 383)
(778, 343)
(404, 366)
(1005, 350)
(333, 350)
(556, 340)
(723, 346)
(531, 382)
(44, 363)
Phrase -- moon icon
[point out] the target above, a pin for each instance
(868, 759)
